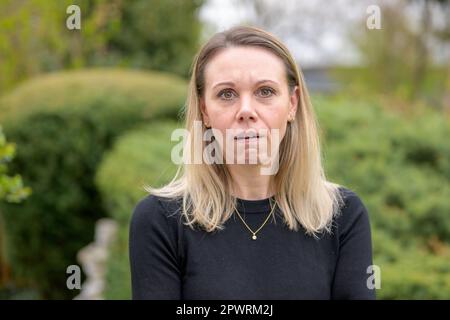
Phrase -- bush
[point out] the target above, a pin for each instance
(398, 164)
(410, 273)
(64, 123)
(138, 158)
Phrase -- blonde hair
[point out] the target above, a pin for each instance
(303, 194)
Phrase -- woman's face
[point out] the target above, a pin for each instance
(246, 90)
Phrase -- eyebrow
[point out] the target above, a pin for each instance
(230, 83)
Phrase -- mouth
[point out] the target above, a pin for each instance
(247, 137)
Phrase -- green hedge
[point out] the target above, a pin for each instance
(399, 167)
(62, 124)
(138, 158)
(412, 271)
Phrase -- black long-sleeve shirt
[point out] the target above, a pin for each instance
(171, 261)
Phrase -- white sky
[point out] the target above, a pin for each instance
(326, 23)
(331, 47)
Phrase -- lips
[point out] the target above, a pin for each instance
(247, 137)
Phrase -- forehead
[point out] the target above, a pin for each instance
(244, 64)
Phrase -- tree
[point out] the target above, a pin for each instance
(153, 34)
(157, 34)
(400, 58)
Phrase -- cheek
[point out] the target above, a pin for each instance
(276, 119)
(283, 133)
(219, 117)
(221, 123)
(277, 136)
(276, 115)
(276, 122)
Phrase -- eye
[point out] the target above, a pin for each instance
(226, 94)
(266, 92)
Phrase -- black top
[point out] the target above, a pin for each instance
(171, 261)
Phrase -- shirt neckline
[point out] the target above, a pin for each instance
(254, 206)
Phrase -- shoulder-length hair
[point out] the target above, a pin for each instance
(304, 196)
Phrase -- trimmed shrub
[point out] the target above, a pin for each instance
(64, 123)
(398, 165)
(140, 157)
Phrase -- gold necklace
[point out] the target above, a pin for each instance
(255, 232)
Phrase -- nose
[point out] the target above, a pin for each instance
(246, 110)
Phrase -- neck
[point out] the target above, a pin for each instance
(249, 184)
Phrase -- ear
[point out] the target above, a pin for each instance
(204, 112)
(293, 100)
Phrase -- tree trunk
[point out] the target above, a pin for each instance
(4, 267)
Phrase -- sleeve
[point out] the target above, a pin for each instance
(155, 272)
(352, 276)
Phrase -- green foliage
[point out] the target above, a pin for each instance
(397, 59)
(64, 123)
(153, 34)
(139, 158)
(11, 188)
(78, 90)
(399, 165)
(410, 272)
(157, 34)
(402, 164)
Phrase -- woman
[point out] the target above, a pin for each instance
(230, 230)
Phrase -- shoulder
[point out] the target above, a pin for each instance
(153, 230)
(350, 198)
(352, 212)
(153, 209)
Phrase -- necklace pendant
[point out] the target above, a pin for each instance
(254, 237)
